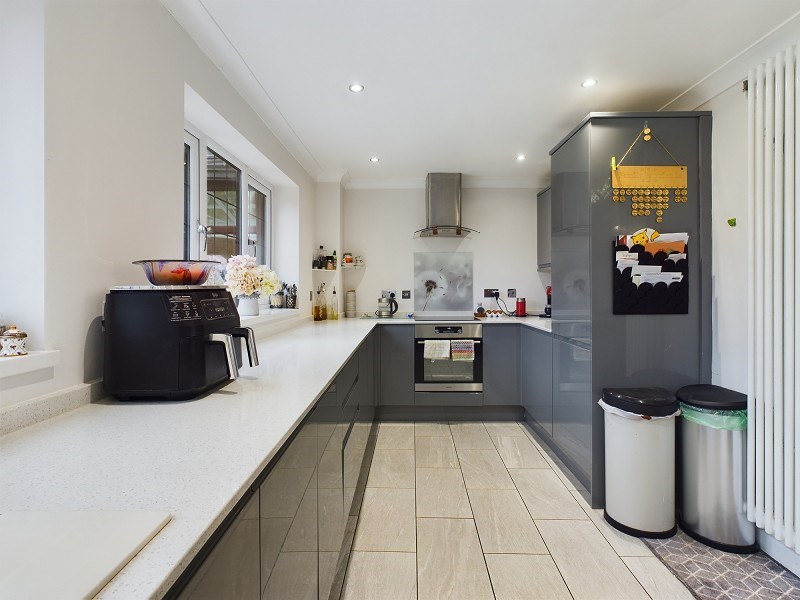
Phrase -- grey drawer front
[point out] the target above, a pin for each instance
(448, 398)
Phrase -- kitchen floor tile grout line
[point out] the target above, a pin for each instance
(549, 553)
(475, 523)
(576, 494)
(602, 535)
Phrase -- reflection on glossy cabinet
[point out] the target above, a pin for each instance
(543, 228)
(536, 364)
(231, 571)
(288, 518)
(573, 404)
(397, 365)
(501, 365)
(288, 540)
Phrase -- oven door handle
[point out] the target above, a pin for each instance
(475, 341)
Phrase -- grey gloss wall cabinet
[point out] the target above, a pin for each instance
(397, 365)
(289, 539)
(536, 376)
(501, 365)
(543, 228)
(632, 350)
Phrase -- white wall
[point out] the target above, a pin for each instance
(379, 225)
(729, 244)
(22, 165)
(114, 116)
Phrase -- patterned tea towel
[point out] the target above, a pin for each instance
(437, 349)
(462, 349)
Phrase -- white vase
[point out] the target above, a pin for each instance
(248, 306)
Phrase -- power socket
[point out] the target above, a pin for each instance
(406, 294)
(388, 293)
(512, 292)
(490, 292)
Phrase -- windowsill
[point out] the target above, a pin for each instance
(268, 316)
(32, 361)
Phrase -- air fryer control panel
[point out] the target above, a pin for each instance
(217, 308)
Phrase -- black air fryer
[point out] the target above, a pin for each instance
(171, 342)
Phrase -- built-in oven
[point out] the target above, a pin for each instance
(448, 357)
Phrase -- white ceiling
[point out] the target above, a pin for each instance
(461, 85)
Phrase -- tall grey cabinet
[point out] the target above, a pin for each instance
(592, 347)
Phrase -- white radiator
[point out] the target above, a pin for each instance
(773, 465)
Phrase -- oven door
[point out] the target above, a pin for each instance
(447, 375)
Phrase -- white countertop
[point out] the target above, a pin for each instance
(193, 459)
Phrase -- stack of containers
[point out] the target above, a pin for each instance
(350, 304)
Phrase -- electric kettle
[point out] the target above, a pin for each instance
(387, 306)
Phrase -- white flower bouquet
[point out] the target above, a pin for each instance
(246, 278)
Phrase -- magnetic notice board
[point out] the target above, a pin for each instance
(651, 273)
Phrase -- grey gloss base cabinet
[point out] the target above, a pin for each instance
(292, 536)
(500, 370)
(501, 365)
(536, 377)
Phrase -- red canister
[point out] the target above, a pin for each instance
(521, 310)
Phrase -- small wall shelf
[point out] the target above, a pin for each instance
(32, 361)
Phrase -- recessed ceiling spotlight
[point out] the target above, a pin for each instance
(356, 88)
(374, 159)
(520, 157)
(589, 83)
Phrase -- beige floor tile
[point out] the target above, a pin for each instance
(532, 436)
(483, 469)
(504, 525)
(505, 428)
(656, 579)
(436, 452)
(545, 495)
(525, 576)
(450, 562)
(387, 521)
(589, 565)
(396, 436)
(294, 576)
(373, 575)
(519, 452)
(623, 544)
(392, 469)
(432, 429)
(564, 474)
(471, 436)
(441, 493)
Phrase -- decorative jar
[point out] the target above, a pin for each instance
(12, 342)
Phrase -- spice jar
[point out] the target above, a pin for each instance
(12, 342)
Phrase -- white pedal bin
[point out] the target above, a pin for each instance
(640, 460)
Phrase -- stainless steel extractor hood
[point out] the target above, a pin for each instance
(443, 207)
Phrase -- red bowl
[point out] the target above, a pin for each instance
(177, 272)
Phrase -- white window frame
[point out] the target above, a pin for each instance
(251, 181)
(198, 216)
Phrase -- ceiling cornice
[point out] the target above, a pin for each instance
(198, 23)
(735, 70)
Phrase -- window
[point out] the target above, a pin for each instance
(226, 208)
(223, 202)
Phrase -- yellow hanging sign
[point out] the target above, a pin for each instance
(637, 177)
